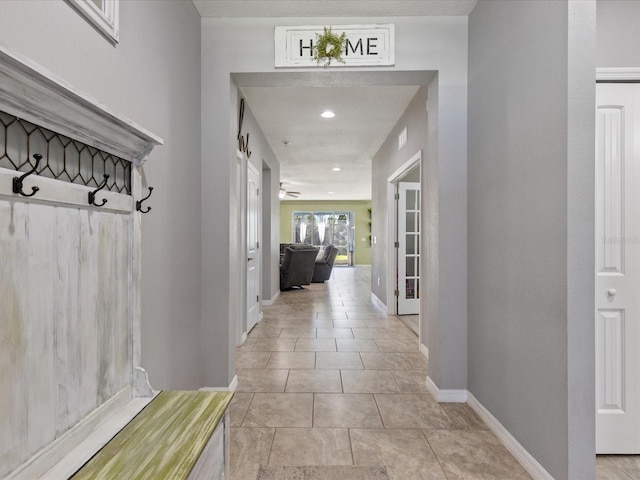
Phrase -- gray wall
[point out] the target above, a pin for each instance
(153, 77)
(231, 46)
(530, 224)
(262, 157)
(618, 39)
(386, 161)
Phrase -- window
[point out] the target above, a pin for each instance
(102, 14)
(326, 228)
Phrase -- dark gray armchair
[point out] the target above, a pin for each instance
(297, 265)
(324, 265)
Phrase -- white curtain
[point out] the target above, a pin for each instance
(322, 223)
(303, 229)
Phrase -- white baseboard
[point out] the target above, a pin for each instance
(424, 350)
(446, 396)
(268, 303)
(529, 463)
(231, 388)
(378, 302)
(80, 434)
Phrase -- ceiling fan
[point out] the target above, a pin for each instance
(286, 193)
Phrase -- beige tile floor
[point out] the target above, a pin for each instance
(327, 378)
(618, 467)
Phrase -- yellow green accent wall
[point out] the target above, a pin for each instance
(358, 207)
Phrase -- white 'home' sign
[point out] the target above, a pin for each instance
(366, 45)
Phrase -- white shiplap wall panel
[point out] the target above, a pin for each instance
(88, 331)
(67, 318)
(66, 328)
(69, 279)
(39, 292)
(13, 336)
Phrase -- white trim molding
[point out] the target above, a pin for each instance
(529, 463)
(270, 302)
(231, 388)
(378, 302)
(424, 350)
(446, 396)
(106, 18)
(621, 74)
(33, 93)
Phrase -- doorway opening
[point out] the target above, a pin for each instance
(404, 202)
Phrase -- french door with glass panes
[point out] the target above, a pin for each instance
(408, 285)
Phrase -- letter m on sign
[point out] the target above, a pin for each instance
(353, 48)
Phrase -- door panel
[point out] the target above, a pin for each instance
(408, 285)
(253, 259)
(617, 268)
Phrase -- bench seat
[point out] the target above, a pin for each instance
(164, 441)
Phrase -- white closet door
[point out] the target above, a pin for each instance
(617, 268)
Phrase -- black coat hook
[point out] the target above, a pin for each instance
(17, 181)
(139, 203)
(92, 195)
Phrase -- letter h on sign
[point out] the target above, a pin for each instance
(310, 48)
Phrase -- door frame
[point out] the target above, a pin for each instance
(392, 227)
(613, 75)
(241, 180)
(258, 265)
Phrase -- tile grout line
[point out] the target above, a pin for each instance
(253, 395)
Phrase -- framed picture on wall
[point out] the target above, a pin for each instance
(102, 14)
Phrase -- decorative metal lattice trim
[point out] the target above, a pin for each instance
(62, 158)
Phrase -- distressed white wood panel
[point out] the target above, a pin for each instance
(40, 296)
(112, 356)
(67, 318)
(610, 370)
(122, 322)
(610, 163)
(13, 336)
(69, 280)
(66, 344)
(88, 330)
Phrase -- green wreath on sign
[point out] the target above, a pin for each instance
(329, 46)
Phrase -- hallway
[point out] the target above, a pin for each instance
(328, 379)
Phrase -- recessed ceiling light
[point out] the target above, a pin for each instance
(330, 193)
(336, 169)
(327, 114)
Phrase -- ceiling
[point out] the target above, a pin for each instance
(332, 8)
(364, 117)
(367, 105)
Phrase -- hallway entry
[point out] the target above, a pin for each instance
(328, 379)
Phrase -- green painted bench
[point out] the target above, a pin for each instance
(178, 435)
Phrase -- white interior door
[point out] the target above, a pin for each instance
(408, 248)
(617, 268)
(253, 236)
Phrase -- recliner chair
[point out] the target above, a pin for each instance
(297, 266)
(324, 265)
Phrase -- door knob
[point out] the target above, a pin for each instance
(611, 292)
